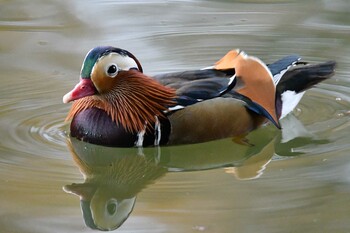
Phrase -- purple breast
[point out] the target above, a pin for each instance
(94, 125)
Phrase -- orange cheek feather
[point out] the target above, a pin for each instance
(102, 82)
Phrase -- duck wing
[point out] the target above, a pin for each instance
(280, 67)
(198, 85)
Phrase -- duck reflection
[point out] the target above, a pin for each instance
(114, 176)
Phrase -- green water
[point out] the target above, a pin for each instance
(294, 180)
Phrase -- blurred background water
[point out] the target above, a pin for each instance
(294, 180)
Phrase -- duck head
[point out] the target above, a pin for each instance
(111, 79)
(99, 71)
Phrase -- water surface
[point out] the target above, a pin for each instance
(294, 180)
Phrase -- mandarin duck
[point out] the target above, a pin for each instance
(116, 104)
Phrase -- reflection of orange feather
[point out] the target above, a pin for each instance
(132, 89)
(257, 80)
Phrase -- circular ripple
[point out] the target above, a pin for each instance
(325, 105)
(34, 154)
(32, 128)
(32, 115)
(324, 114)
(48, 128)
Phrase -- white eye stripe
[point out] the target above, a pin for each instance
(112, 70)
(124, 62)
(113, 63)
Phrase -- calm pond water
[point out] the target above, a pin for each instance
(294, 180)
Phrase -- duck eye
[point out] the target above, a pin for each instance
(112, 70)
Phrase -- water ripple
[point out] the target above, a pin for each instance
(44, 127)
(32, 116)
(44, 42)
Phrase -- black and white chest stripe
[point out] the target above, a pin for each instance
(156, 135)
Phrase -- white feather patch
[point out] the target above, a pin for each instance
(177, 107)
(278, 76)
(290, 100)
(230, 81)
(123, 62)
(157, 133)
(140, 137)
(208, 68)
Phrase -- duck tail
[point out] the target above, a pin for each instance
(296, 81)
